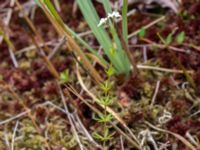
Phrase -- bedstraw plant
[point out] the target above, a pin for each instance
(106, 99)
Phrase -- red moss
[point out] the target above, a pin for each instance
(19, 78)
(176, 125)
(4, 55)
(152, 34)
(63, 63)
(194, 9)
(15, 107)
(4, 106)
(196, 78)
(133, 87)
(50, 88)
(12, 106)
(165, 58)
(179, 106)
(166, 85)
(134, 118)
(41, 114)
(44, 74)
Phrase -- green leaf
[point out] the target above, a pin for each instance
(53, 11)
(106, 86)
(107, 6)
(98, 136)
(180, 37)
(37, 2)
(64, 76)
(86, 45)
(106, 100)
(110, 72)
(142, 32)
(124, 21)
(120, 60)
(104, 118)
(168, 40)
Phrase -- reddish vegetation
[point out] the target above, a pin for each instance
(35, 83)
(133, 87)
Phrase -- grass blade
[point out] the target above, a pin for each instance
(118, 58)
(124, 21)
(56, 20)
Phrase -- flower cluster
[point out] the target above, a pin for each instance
(114, 14)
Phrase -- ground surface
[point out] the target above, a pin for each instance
(164, 90)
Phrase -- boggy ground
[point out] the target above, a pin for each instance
(164, 97)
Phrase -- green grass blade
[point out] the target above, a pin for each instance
(54, 13)
(37, 2)
(86, 45)
(124, 21)
(92, 19)
(121, 54)
(107, 6)
(108, 9)
(119, 59)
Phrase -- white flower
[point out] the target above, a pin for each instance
(102, 21)
(114, 14)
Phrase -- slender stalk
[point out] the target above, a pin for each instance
(124, 21)
(71, 44)
(50, 66)
(11, 48)
(104, 128)
(147, 26)
(32, 27)
(129, 54)
(14, 134)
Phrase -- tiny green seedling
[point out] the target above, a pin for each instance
(168, 40)
(106, 86)
(180, 37)
(105, 99)
(64, 76)
(110, 72)
(104, 118)
(142, 32)
(106, 136)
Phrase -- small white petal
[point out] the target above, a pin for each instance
(102, 21)
(110, 15)
(116, 14)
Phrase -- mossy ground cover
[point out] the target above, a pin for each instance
(48, 100)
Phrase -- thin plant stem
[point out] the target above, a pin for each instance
(71, 44)
(14, 134)
(32, 27)
(91, 106)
